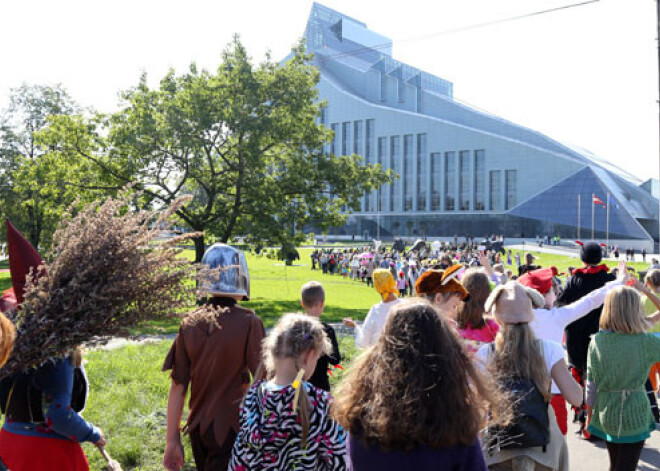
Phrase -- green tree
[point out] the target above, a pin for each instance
(245, 141)
(31, 191)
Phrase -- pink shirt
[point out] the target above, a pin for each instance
(475, 338)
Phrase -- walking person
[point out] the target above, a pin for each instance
(367, 334)
(620, 356)
(525, 366)
(414, 401)
(551, 320)
(216, 350)
(285, 421)
(473, 325)
(583, 281)
(312, 299)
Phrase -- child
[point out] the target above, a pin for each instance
(312, 299)
(619, 359)
(270, 437)
(414, 400)
(402, 284)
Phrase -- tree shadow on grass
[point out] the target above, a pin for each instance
(270, 311)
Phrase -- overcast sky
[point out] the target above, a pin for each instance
(587, 76)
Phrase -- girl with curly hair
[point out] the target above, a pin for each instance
(415, 400)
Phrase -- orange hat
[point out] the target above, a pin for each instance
(540, 280)
(441, 281)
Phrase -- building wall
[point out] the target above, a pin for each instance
(535, 169)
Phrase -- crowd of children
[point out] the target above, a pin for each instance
(467, 374)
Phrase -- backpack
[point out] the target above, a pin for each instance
(530, 426)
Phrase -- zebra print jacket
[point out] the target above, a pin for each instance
(270, 436)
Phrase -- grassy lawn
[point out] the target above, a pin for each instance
(562, 262)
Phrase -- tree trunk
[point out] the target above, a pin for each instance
(200, 248)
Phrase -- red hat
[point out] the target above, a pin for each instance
(22, 258)
(540, 280)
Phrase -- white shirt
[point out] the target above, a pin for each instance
(368, 334)
(550, 323)
(552, 354)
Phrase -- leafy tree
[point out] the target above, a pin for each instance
(245, 141)
(31, 191)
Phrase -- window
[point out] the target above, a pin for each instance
(495, 190)
(510, 189)
(370, 200)
(450, 181)
(346, 138)
(383, 86)
(422, 166)
(464, 180)
(358, 137)
(479, 180)
(436, 175)
(408, 188)
(324, 116)
(382, 159)
(395, 163)
(334, 145)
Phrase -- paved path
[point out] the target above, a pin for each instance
(592, 456)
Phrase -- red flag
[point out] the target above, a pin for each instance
(597, 200)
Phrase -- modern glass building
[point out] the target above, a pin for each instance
(462, 171)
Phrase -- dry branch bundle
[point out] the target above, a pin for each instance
(106, 274)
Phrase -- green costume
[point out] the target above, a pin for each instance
(619, 364)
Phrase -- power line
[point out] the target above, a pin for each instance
(458, 30)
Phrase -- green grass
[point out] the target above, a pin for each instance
(562, 262)
(128, 401)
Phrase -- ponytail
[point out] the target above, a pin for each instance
(301, 405)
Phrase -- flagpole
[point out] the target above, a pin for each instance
(607, 236)
(578, 221)
(592, 216)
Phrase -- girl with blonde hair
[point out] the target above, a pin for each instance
(285, 421)
(524, 366)
(618, 363)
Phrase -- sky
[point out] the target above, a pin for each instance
(587, 76)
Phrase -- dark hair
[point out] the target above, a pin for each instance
(416, 386)
(312, 293)
(470, 313)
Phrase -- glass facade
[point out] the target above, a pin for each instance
(346, 138)
(334, 145)
(370, 200)
(464, 180)
(510, 188)
(358, 137)
(450, 181)
(395, 163)
(408, 182)
(479, 180)
(436, 182)
(422, 171)
(384, 161)
(495, 190)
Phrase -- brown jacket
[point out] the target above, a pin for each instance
(215, 352)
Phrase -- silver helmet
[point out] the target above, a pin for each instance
(229, 272)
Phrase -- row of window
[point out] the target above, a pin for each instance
(458, 180)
